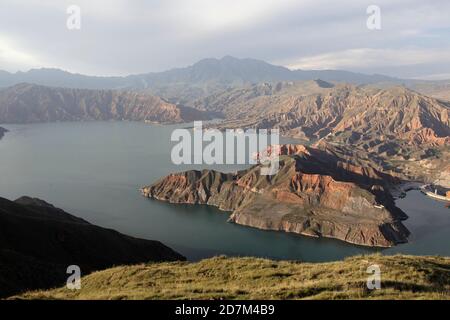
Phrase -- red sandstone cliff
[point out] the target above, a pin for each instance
(308, 196)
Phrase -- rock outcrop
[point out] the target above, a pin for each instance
(38, 242)
(309, 195)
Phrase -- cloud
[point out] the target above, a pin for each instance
(120, 37)
(13, 58)
(371, 58)
(218, 16)
(435, 76)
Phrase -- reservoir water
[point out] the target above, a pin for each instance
(94, 170)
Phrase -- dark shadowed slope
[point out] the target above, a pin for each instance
(38, 242)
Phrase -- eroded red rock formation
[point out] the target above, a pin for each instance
(309, 195)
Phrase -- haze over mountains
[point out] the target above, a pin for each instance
(206, 77)
(228, 71)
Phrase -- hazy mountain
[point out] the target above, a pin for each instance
(436, 89)
(228, 70)
(38, 242)
(27, 103)
(183, 84)
(210, 76)
(59, 78)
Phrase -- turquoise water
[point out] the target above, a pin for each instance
(95, 169)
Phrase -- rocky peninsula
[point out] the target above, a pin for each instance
(313, 194)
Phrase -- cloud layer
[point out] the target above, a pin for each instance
(121, 37)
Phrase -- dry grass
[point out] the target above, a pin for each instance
(403, 277)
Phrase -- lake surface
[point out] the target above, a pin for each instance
(94, 170)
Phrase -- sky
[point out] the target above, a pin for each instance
(121, 37)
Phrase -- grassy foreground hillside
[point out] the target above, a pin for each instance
(402, 277)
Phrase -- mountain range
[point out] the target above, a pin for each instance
(227, 70)
(355, 114)
(206, 77)
(393, 128)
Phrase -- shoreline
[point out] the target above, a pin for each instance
(434, 195)
(399, 191)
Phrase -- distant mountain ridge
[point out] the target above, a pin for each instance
(29, 103)
(227, 70)
(183, 85)
(206, 77)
